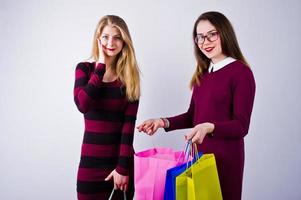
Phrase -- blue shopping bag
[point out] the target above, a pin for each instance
(171, 174)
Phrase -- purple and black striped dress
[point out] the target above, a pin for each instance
(109, 130)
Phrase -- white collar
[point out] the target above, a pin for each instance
(220, 64)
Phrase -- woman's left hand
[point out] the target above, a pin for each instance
(199, 132)
(120, 182)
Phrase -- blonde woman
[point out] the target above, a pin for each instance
(107, 92)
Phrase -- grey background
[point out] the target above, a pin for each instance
(42, 41)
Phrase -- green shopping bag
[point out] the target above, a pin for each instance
(199, 181)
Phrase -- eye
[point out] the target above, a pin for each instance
(117, 37)
(200, 37)
(105, 37)
(212, 34)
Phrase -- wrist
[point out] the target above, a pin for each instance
(121, 171)
(161, 123)
(165, 123)
(210, 127)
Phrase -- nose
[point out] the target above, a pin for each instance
(111, 41)
(206, 41)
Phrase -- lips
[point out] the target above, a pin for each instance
(109, 49)
(209, 49)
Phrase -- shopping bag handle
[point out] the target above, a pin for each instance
(194, 154)
(111, 195)
(186, 152)
(195, 151)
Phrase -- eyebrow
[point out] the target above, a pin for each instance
(106, 34)
(207, 32)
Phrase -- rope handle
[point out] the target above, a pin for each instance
(111, 195)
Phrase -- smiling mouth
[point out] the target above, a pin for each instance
(209, 49)
(109, 49)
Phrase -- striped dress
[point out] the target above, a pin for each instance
(109, 129)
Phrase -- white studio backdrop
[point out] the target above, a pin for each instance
(41, 129)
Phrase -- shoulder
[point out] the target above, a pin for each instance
(238, 68)
(242, 74)
(85, 66)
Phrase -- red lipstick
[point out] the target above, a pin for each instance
(209, 49)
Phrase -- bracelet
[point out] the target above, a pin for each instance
(165, 123)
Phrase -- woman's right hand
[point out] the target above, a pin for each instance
(120, 182)
(101, 53)
(150, 126)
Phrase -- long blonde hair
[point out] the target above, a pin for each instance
(228, 39)
(126, 68)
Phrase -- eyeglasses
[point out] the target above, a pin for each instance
(211, 37)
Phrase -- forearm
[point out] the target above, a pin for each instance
(86, 91)
(179, 122)
(126, 151)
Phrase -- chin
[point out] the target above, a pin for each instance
(111, 54)
(213, 55)
(209, 56)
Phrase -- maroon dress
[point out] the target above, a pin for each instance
(225, 98)
(108, 137)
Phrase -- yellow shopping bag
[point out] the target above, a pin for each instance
(200, 181)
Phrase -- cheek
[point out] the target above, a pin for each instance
(203, 51)
(219, 49)
(218, 44)
(201, 48)
(120, 44)
(103, 42)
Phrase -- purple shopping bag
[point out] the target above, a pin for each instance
(150, 171)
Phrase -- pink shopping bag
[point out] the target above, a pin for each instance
(150, 171)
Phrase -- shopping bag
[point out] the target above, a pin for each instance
(150, 168)
(170, 182)
(200, 181)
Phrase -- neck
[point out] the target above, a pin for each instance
(110, 65)
(218, 58)
(109, 62)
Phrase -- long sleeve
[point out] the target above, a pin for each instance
(127, 136)
(85, 87)
(184, 120)
(243, 98)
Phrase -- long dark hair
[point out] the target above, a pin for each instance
(228, 39)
